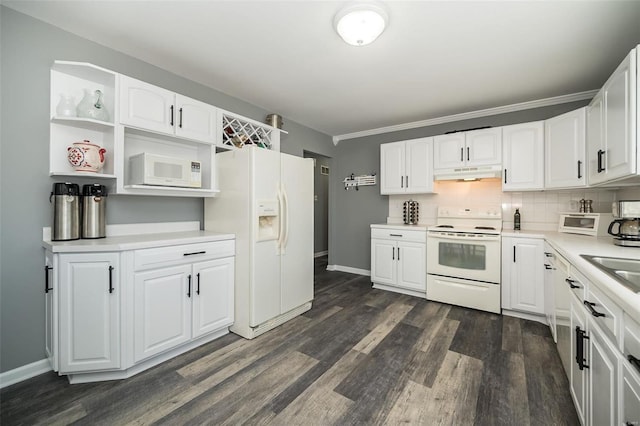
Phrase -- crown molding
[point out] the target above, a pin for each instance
(580, 96)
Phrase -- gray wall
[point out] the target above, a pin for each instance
(353, 211)
(321, 204)
(29, 48)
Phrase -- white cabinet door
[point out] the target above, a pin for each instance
(483, 147)
(527, 274)
(595, 139)
(392, 168)
(449, 151)
(383, 261)
(162, 310)
(146, 106)
(603, 380)
(195, 119)
(523, 156)
(419, 166)
(411, 262)
(565, 150)
(630, 398)
(89, 312)
(213, 298)
(579, 351)
(51, 290)
(620, 120)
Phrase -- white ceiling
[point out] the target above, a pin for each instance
(435, 58)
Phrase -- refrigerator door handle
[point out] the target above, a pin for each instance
(285, 237)
(280, 222)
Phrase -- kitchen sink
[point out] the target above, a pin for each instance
(625, 271)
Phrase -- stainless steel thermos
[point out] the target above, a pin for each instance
(94, 205)
(65, 197)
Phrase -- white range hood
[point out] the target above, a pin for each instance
(468, 173)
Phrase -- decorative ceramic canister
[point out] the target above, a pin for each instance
(86, 157)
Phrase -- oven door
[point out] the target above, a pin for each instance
(463, 255)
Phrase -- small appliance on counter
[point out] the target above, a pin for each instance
(593, 224)
(410, 210)
(627, 214)
(66, 211)
(94, 205)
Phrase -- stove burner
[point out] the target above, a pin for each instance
(444, 226)
(489, 228)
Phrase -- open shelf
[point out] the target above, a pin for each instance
(84, 123)
(82, 174)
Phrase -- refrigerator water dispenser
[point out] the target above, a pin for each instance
(268, 223)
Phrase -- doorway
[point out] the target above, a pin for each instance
(321, 171)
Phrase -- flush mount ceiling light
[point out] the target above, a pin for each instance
(360, 23)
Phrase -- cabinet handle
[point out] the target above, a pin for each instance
(393, 253)
(461, 154)
(198, 288)
(47, 268)
(171, 119)
(580, 338)
(590, 306)
(505, 175)
(547, 266)
(571, 283)
(194, 253)
(189, 286)
(180, 122)
(634, 361)
(601, 167)
(467, 153)
(407, 180)
(398, 253)
(547, 254)
(514, 254)
(395, 235)
(579, 169)
(401, 181)
(110, 279)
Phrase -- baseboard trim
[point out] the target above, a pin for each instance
(349, 270)
(524, 315)
(321, 253)
(25, 372)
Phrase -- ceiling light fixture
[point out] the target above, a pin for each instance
(360, 23)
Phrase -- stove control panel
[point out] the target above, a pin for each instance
(487, 212)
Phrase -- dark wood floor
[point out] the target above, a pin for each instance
(360, 356)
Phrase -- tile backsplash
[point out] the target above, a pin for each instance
(539, 209)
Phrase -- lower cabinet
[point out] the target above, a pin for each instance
(110, 312)
(398, 260)
(89, 307)
(630, 398)
(603, 378)
(523, 274)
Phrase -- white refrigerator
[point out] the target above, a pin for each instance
(266, 200)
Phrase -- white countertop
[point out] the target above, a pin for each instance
(571, 246)
(401, 226)
(135, 241)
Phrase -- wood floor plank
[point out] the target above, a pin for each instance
(392, 315)
(410, 405)
(453, 397)
(425, 365)
(511, 334)
(479, 334)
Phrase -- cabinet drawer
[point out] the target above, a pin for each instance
(187, 253)
(631, 342)
(581, 283)
(605, 313)
(399, 235)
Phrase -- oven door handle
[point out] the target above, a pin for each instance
(465, 238)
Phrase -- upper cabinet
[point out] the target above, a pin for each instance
(468, 149)
(612, 147)
(152, 108)
(523, 160)
(406, 167)
(565, 150)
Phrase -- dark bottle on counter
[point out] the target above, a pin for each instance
(516, 220)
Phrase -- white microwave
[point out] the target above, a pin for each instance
(594, 224)
(161, 170)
